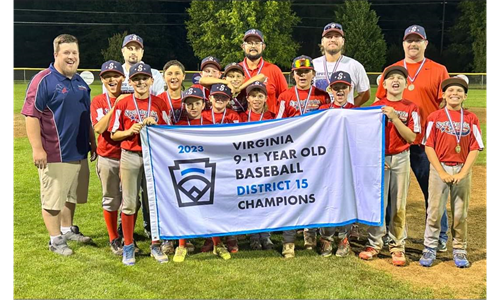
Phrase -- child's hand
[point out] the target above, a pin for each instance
(120, 98)
(386, 167)
(448, 178)
(135, 129)
(458, 177)
(149, 121)
(389, 112)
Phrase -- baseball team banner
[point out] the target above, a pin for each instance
(320, 169)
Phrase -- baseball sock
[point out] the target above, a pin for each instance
(65, 229)
(111, 219)
(128, 228)
(182, 243)
(216, 240)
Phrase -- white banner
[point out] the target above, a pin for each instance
(320, 169)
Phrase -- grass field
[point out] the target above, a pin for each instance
(94, 272)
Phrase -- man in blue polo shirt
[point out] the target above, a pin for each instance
(57, 110)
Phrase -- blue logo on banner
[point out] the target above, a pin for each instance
(194, 181)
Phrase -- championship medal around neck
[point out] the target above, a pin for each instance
(411, 87)
(457, 149)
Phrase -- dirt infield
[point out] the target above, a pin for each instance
(443, 278)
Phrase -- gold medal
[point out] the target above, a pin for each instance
(457, 149)
(411, 87)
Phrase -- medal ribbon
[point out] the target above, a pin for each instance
(303, 110)
(246, 68)
(250, 114)
(457, 136)
(137, 107)
(223, 116)
(176, 119)
(418, 71)
(334, 68)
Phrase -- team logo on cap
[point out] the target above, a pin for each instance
(194, 181)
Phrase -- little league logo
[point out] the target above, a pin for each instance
(194, 181)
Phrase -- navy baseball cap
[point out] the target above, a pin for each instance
(399, 69)
(256, 85)
(340, 77)
(112, 66)
(456, 80)
(140, 68)
(333, 27)
(233, 66)
(211, 60)
(193, 92)
(302, 62)
(415, 29)
(220, 88)
(132, 38)
(254, 32)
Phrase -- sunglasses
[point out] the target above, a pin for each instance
(303, 62)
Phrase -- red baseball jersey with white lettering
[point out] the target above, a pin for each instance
(346, 105)
(289, 99)
(126, 115)
(177, 110)
(275, 81)
(100, 107)
(408, 113)
(439, 134)
(255, 117)
(230, 116)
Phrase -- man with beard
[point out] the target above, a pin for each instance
(253, 64)
(132, 51)
(332, 61)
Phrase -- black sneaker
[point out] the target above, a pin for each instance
(116, 246)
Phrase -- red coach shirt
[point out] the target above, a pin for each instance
(440, 135)
(229, 116)
(126, 115)
(100, 107)
(407, 112)
(289, 99)
(255, 117)
(275, 81)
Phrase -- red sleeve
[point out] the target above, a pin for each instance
(116, 120)
(97, 111)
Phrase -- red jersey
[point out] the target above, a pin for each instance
(275, 81)
(346, 105)
(290, 106)
(126, 115)
(255, 117)
(439, 134)
(427, 94)
(177, 110)
(193, 122)
(100, 107)
(407, 112)
(229, 116)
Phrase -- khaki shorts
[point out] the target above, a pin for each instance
(64, 182)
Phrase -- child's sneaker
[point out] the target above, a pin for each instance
(128, 255)
(325, 248)
(190, 247)
(220, 250)
(354, 233)
(232, 246)
(288, 250)
(168, 247)
(398, 258)
(369, 253)
(309, 241)
(460, 258)
(59, 246)
(158, 254)
(180, 254)
(428, 257)
(267, 244)
(116, 246)
(255, 244)
(343, 248)
(442, 246)
(208, 245)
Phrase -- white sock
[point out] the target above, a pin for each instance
(52, 238)
(65, 229)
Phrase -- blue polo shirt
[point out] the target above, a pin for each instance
(63, 107)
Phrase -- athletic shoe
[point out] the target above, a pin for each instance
(232, 246)
(208, 245)
(309, 241)
(180, 254)
(267, 244)
(326, 248)
(442, 246)
(460, 258)
(255, 245)
(398, 258)
(59, 246)
(116, 246)
(288, 250)
(220, 250)
(354, 232)
(189, 247)
(128, 255)
(168, 247)
(428, 257)
(158, 254)
(386, 239)
(369, 253)
(343, 248)
(75, 235)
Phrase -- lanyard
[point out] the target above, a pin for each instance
(238, 102)
(303, 110)
(459, 135)
(250, 114)
(137, 107)
(418, 71)
(107, 99)
(189, 123)
(246, 68)
(223, 116)
(334, 68)
(176, 118)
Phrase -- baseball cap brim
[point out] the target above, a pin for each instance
(211, 63)
(303, 68)
(191, 96)
(333, 29)
(252, 34)
(340, 81)
(220, 93)
(256, 87)
(235, 67)
(416, 33)
(116, 71)
(145, 73)
(399, 69)
(454, 81)
(124, 45)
